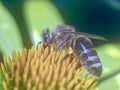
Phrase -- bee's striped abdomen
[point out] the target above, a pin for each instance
(88, 55)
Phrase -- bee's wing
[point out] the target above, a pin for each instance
(88, 35)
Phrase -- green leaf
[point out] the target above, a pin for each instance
(39, 15)
(10, 38)
(110, 58)
(113, 83)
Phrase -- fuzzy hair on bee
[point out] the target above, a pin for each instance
(65, 36)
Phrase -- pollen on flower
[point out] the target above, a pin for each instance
(44, 69)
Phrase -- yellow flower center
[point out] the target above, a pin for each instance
(44, 69)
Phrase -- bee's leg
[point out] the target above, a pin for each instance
(72, 43)
(63, 44)
(39, 43)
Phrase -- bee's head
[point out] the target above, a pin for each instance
(46, 37)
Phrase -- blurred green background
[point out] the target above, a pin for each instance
(22, 21)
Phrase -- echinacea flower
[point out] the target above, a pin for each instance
(44, 69)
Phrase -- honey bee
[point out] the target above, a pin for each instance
(64, 36)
